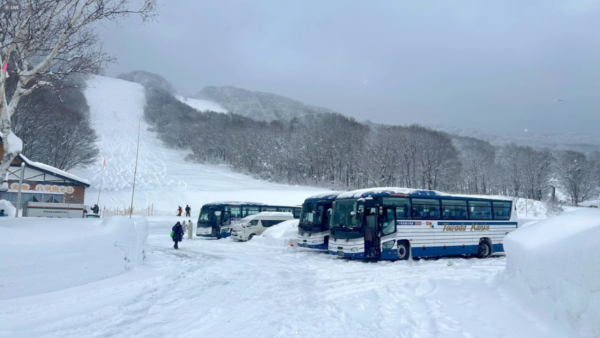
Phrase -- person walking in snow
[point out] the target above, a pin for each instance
(190, 229)
(177, 232)
(187, 211)
(179, 210)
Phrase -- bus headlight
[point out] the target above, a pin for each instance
(354, 249)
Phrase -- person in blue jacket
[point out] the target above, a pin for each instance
(177, 234)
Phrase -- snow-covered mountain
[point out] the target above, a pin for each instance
(257, 105)
(201, 105)
(164, 179)
(557, 141)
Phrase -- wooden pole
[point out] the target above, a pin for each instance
(19, 191)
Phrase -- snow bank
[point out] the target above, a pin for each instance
(556, 262)
(280, 235)
(42, 255)
(9, 209)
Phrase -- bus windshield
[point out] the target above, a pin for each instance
(346, 214)
(309, 216)
(207, 216)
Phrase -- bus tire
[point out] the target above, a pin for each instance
(250, 237)
(403, 250)
(485, 249)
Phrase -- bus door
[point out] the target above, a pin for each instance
(323, 214)
(214, 219)
(388, 231)
(371, 228)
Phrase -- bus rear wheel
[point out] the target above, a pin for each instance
(485, 250)
(403, 250)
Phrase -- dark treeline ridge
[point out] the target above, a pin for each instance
(337, 152)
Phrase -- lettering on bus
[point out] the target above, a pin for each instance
(462, 227)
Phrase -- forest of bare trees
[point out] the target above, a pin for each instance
(337, 152)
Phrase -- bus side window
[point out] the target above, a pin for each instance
(389, 222)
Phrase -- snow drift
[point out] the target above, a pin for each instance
(8, 208)
(279, 235)
(556, 262)
(42, 255)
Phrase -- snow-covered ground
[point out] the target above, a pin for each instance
(164, 179)
(228, 289)
(202, 105)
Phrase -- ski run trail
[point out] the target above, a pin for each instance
(221, 288)
(164, 179)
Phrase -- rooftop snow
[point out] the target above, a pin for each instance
(330, 195)
(53, 170)
(362, 193)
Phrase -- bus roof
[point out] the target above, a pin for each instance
(326, 196)
(408, 192)
(233, 203)
(237, 203)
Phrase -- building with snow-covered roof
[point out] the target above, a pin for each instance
(42, 183)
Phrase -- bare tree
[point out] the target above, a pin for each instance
(575, 175)
(44, 42)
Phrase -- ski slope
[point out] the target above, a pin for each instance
(164, 179)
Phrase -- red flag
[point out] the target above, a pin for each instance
(5, 66)
(104, 165)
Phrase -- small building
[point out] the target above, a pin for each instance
(42, 183)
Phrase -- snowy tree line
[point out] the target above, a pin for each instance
(54, 125)
(335, 151)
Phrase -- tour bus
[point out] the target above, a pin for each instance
(398, 223)
(216, 219)
(313, 227)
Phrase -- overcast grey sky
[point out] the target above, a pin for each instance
(497, 66)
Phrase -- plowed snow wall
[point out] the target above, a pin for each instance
(556, 262)
(41, 255)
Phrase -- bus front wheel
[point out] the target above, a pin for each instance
(484, 249)
(250, 237)
(403, 250)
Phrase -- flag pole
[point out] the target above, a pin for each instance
(101, 178)
(137, 152)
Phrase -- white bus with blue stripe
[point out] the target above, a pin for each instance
(399, 223)
(216, 219)
(313, 227)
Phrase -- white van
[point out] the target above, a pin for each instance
(254, 225)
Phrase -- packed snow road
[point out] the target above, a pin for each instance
(227, 289)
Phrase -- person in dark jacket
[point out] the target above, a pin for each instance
(187, 211)
(177, 234)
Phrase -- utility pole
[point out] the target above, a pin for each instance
(137, 152)
(101, 178)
